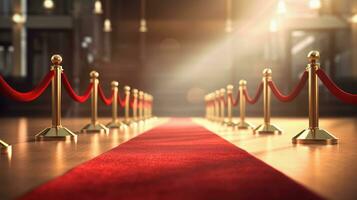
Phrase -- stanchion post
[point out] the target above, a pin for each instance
(94, 126)
(229, 120)
(313, 134)
(242, 105)
(56, 131)
(146, 116)
(127, 120)
(151, 101)
(217, 106)
(222, 93)
(115, 123)
(267, 127)
(141, 105)
(135, 105)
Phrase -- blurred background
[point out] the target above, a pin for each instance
(177, 50)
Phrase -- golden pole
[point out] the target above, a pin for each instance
(151, 99)
(135, 105)
(222, 93)
(267, 127)
(56, 131)
(217, 106)
(94, 126)
(313, 134)
(127, 106)
(242, 105)
(229, 121)
(115, 123)
(141, 111)
(146, 113)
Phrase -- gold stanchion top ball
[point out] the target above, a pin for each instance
(115, 84)
(94, 74)
(267, 72)
(229, 88)
(127, 88)
(135, 91)
(313, 56)
(56, 59)
(242, 83)
(222, 91)
(141, 93)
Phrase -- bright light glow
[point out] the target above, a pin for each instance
(228, 28)
(303, 44)
(281, 9)
(354, 19)
(315, 4)
(48, 4)
(143, 27)
(98, 7)
(107, 25)
(18, 18)
(273, 26)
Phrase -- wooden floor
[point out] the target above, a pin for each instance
(331, 171)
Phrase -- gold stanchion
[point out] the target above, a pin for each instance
(242, 105)
(222, 93)
(151, 101)
(141, 106)
(135, 105)
(229, 120)
(115, 123)
(146, 113)
(266, 127)
(313, 134)
(127, 120)
(217, 106)
(94, 126)
(56, 131)
(4, 147)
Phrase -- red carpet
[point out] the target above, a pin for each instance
(179, 160)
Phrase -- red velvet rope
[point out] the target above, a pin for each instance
(225, 100)
(257, 95)
(121, 101)
(293, 94)
(335, 90)
(236, 101)
(8, 91)
(106, 101)
(72, 93)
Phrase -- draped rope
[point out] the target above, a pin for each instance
(10, 92)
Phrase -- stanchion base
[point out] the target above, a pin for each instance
(4, 147)
(267, 129)
(127, 122)
(56, 133)
(95, 128)
(314, 136)
(116, 124)
(244, 125)
(229, 123)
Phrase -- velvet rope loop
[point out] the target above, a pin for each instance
(72, 93)
(8, 91)
(121, 101)
(234, 102)
(257, 95)
(335, 90)
(295, 92)
(106, 101)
